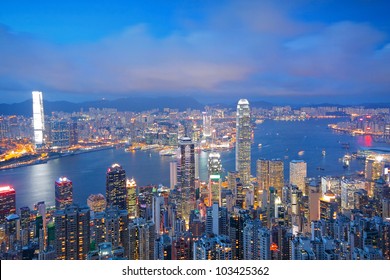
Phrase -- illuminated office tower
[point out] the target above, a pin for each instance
(97, 202)
(116, 224)
(73, 133)
(213, 248)
(197, 225)
(348, 188)
(63, 192)
(186, 176)
(216, 220)
(206, 125)
(233, 178)
(12, 231)
(131, 197)
(72, 233)
(374, 169)
(142, 238)
(7, 202)
(157, 207)
(38, 118)
(257, 241)
(227, 199)
(298, 173)
(60, 134)
(328, 211)
(116, 187)
(214, 169)
(173, 174)
(331, 183)
(25, 219)
(270, 173)
(243, 141)
(237, 222)
(314, 201)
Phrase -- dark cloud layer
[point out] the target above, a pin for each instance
(255, 50)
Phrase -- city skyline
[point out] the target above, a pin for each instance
(241, 216)
(305, 50)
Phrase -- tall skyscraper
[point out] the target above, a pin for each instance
(72, 233)
(116, 187)
(63, 192)
(328, 211)
(206, 125)
(215, 169)
(7, 202)
(38, 118)
(60, 134)
(257, 241)
(173, 174)
(270, 173)
(186, 176)
(216, 220)
(131, 197)
(142, 238)
(243, 141)
(298, 173)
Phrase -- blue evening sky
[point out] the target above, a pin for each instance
(279, 51)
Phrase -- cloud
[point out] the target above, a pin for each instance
(249, 48)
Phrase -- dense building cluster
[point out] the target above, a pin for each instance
(232, 217)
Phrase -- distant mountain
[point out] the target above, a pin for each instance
(135, 104)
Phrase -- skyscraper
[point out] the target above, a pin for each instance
(116, 187)
(7, 202)
(206, 125)
(72, 233)
(63, 192)
(270, 173)
(298, 173)
(173, 174)
(257, 241)
(60, 134)
(215, 169)
(186, 176)
(38, 118)
(131, 197)
(243, 141)
(142, 238)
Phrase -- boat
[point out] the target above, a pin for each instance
(300, 153)
(323, 153)
(259, 121)
(167, 152)
(346, 161)
(132, 148)
(260, 145)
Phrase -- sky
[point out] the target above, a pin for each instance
(301, 51)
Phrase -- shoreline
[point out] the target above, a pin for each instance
(54, 156)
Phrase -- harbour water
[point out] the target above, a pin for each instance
(284, 140)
